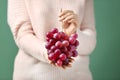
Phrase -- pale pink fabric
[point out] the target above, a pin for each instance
(29, 21)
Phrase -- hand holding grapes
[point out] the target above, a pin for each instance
(61, 45)
(61, 48)
(70, 21)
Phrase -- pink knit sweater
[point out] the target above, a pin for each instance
(29, 21)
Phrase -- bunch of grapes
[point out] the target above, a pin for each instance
(61, 48)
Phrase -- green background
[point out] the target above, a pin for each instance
(105, 60)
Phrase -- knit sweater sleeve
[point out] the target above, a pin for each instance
(87, 32)
(22, 30)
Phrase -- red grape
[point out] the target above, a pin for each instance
(74, 35)
(57, 52)
(65, 43)
(57, 36)
(69, 54)
(54, 30)
(48, 45)
(66, 37)
(62, 56)
(52, 41)
(75, 53)
(62, 34)
(64, 49)
(66, 61)
(53, 48)
(59, 62)
(50, 51)
(51, 56)
(58, 44)
(76, 43)
(72, 40)
(49, 35)
(54, 56)
(72, 48)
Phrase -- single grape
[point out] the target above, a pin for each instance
(54, 30)
(50, 51)
(72, 40)
(57, 51)
(64, 49)
(75, 53)
(48, 45)
(51, 57)
(57, 36)
(58, 44)
(66, 37)
(62, 56)
(66, 61)
(76, 43)
(68, 48)
(59, 62)
(49, 35)
(75, 35)
(65, 43)
(62, 34)
(72, 48)
(53, 48)
(54, 56)
(52, 41)
(69, 54)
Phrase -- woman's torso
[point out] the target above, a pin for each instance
(44, 16)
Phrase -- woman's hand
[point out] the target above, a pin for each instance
(70, 21)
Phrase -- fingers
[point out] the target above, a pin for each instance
(65, 12)
(65, 25)
(73, 21)
(69, 64)
(70, 21)
(69, 17)
(65, 16)
(64, 66)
